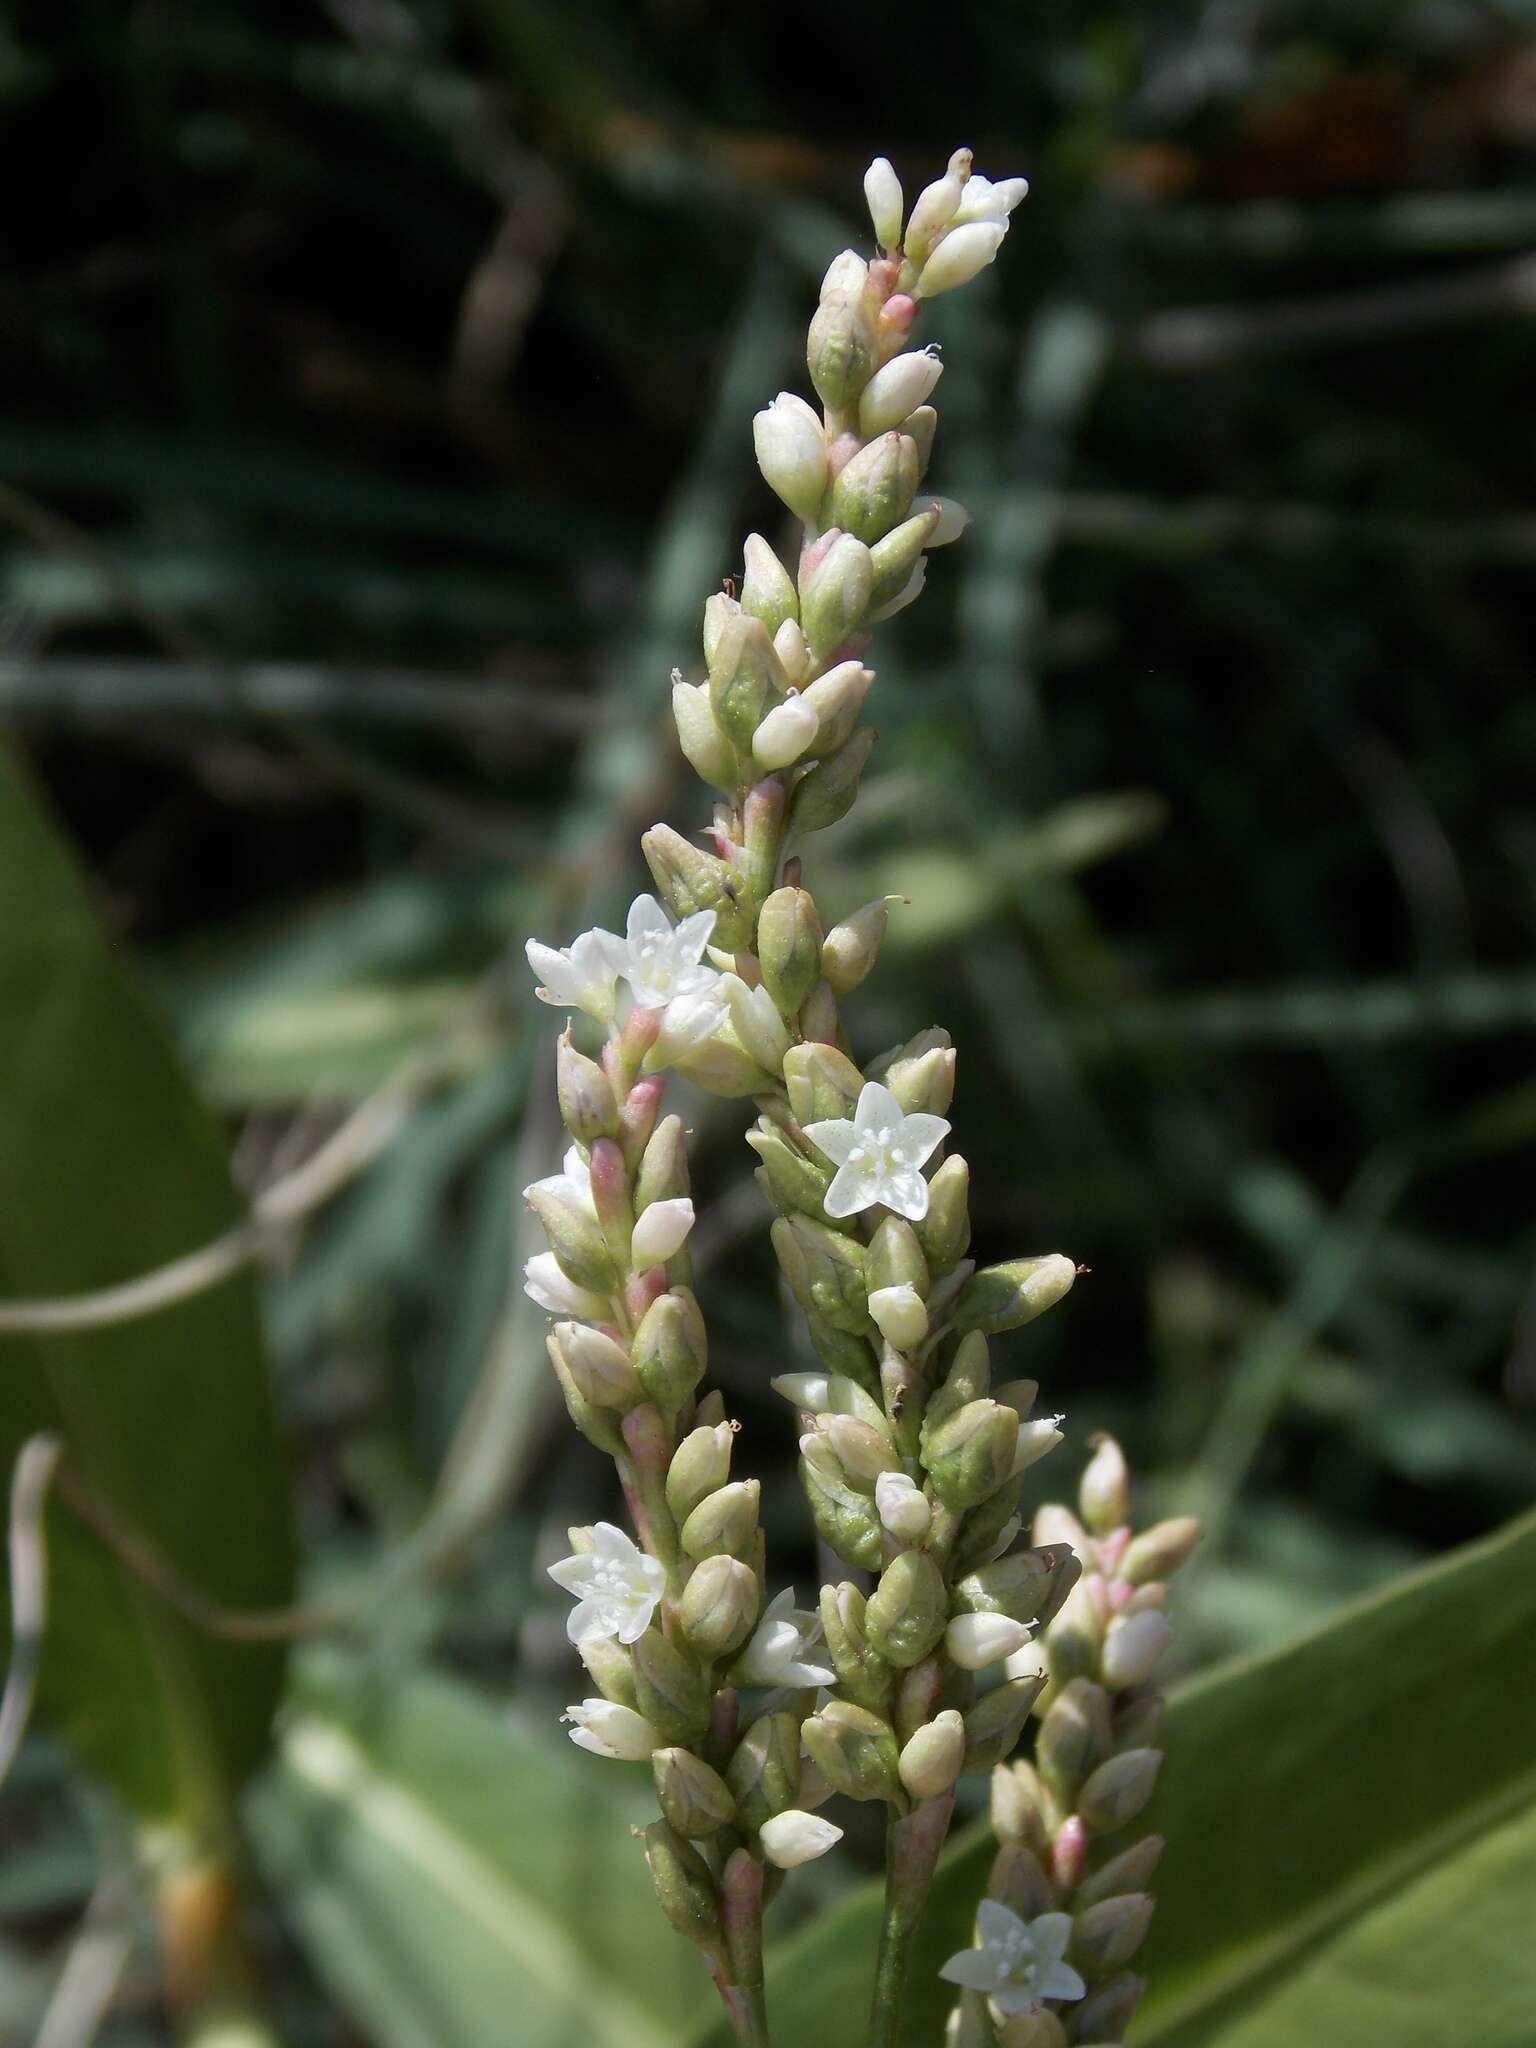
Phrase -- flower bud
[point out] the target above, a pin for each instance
(827, 794)
(660, 1231)
(785, 734)
(578, 1245)
(1038, 2029)
(904, 1619)
(1104, 1491)
(862, 1672)
(854, 1750)
(873, 491)
(930, 1762)
(994, 1725)
(1158, 1552)
(714, 1063)
(847, 272)
(719, 1604)
(767, 588)
(663, 1172)
(599, 1366)
(989, 198)
(1018, 1806)
(689, 879)
(1006, 1297)
(945, 1232)
(894, 559)
(1107, 2011)
(845, 1519)
(971, 1456)
(1119, 1789)
(1035, 1439)
(1067, 1571)
(764, 1770)
(837, 698)
(1130, 1871)
(976, 1640)
(794, 656)
(792, 453)
(588, 1108)
(921, 427)
(963, 252)
(720, 613)
(864, 1450)
(882, 192)
(1139, 1723)
(789, 947)
(988, 1533)
(936, 207)
(852, 947)
(1133, 1648)
(608, 1729)
(793, 1182)
(1109, 1934)
(608, 1665)
(724, 1521)
(683, 1885)
(700, 1466)
(825, 1271)
(897, 389)
(669, 1350)
(903, 1507)
(745, 680)
(705, 747)
(671, 1689)
(1074, 1739)
(1076, 1636)
(969, 1379)
(793, 1837)
(840, 348)
(598, 1424)
(822, 1083)
(900, 1316)
(835, 594)
(695, 1800)
(1015, 1585)
(921, 1073)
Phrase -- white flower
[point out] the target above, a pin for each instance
(572, 1184)
(1018, 1964)
(902, 1507)
(795, 1837)
(988, 199)
(616, 1587)
(959, 256)
(879, 1153)
(776, 1655)
(660, 1230)
(660, 960)
(544, 1283)
(953, 520)
(608, 1729)
(976, 1640)
(579, 976)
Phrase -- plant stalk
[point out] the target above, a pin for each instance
(912, 1846)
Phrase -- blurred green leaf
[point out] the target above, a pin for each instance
(460, 1881)
(1343, 1813)
(109, 1168)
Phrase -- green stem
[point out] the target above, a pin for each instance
(912, 1846)
(748, 2010)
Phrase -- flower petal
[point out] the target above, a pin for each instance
(835, 1136)
(1060, 1980)
(876, 1106)
(974, 1969)
(646, 917)
(573, 1575)
(997, 1923)
(907, 1194)
(850, 1192)
(922, 1134)
(1050, 1933)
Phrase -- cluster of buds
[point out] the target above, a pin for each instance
(912, 1461)
(1068, 1902)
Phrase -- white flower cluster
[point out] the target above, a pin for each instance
(663, 965)
(955, 229)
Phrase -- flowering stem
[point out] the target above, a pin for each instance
(748, 2011)
(912, 1846)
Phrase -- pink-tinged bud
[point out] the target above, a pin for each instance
(634, 1041)
(894, 322)
(1069, 1853)
(641, 1289)
(610, 1190)
(637, 1116)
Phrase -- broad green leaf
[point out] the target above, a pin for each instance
(461, 1881)
(1339, 1812)
(109, 1168)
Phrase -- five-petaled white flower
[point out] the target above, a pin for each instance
(879, 1153)
(780, 1644)
(579, 976)
(660, 960)
(616, 1587)
(1017, 1963)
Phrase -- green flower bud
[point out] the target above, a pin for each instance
(969, 1379)
(669, 1350)
(1130, 1871)
(764, 1771)
(837, 699)
(724, 1521)
(767, 589)
(1158, 1552)
(1139, 1723)
(609, 1666)
(893, 559)
(575, 1240)
(1015, 1585)
(689, 879)
(1109, 1934)
(1067, 1572)
(825, 1271)
(695, 1800)
(588, 1108)
(671, 1688)
(907, 1611)
(896, 1257)
(792, 1181)
(663, 1175)
(840, 349)
(852, 947)
(599, 1425)
(718, 1610)
(1119, 1789)
(922, 424)
(789, 947)
(945, 1232)
(989, 1529)
(1008, 1296)
(1108, 2009)
(864, 1449)
(1018, 1879)
(683, 1885)
(854, 1750)
(744, 679)
(1073, 1740)
(842, 1353)
(723, 1068)
(700, 1466)
(834, 596)
(994, 1725)
(845, 1519)
(862, 1673)
(1018, 1807)
(1075, 1639)
(1104, 1491)
(873, 491)
(822, 1082)
(705, 747)
(930, 1762)
(827, 793)
(918, 1692)
(972, 1455)
(599, 1366)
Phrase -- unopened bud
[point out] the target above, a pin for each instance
(1074, 1738)
(755, 1020)
(873, 491)
(671, 1689)
(794, 1183)
(1133, 1648)
(827, 794)
(972, 1455)
(724, 1521)
(794, 1837)
(930, 1761)
(580, 1249)
(1130, 1871)
(1158, 1552)
(1104, 1492)
(822, 1083)
(794, 656)
(1018, 1806)
(963, 252)
(1015, 1585)
(945, 1232)
(893, 560)
(689, 879)
(864, 1450)
(767, 589)
(921, 1073)
(598, 1424)
(1139, 1723)
(660, 1231)
(904, 1619)
(1076, 1636)
(861, 1672)
(693, 1798)
(969, 1379)
(903, 1507)
(588, 1107)
(840, 348)
(719, 1606)
(825, 1271)
(852, 947)
(976, 1640)
(922, 426)
(994, 1725)
(599, 1366)
(684, 1885)
(837, 698)
(789, 947)
(785, 734)
(663, 1174)
(700, 1466)
(882, 192)
(669, 1350)
(1107, 2011)
(745, 680)
(1035, 1439)
(936, 207)
(854, 1749)
(835, 595)
(792, 453)
(845, 1518)
(764, 1771)
(897, 389)
(1069, 1853)
(900, 1315)
(1038, 2029)
(1109, 1934)
(1119, 1789)
(1006, 1297)
(705, 747)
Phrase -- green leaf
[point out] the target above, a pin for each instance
(109, 1168)
(1346, 1817)
(449, 1869)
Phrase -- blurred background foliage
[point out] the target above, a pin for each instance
(374, 421)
